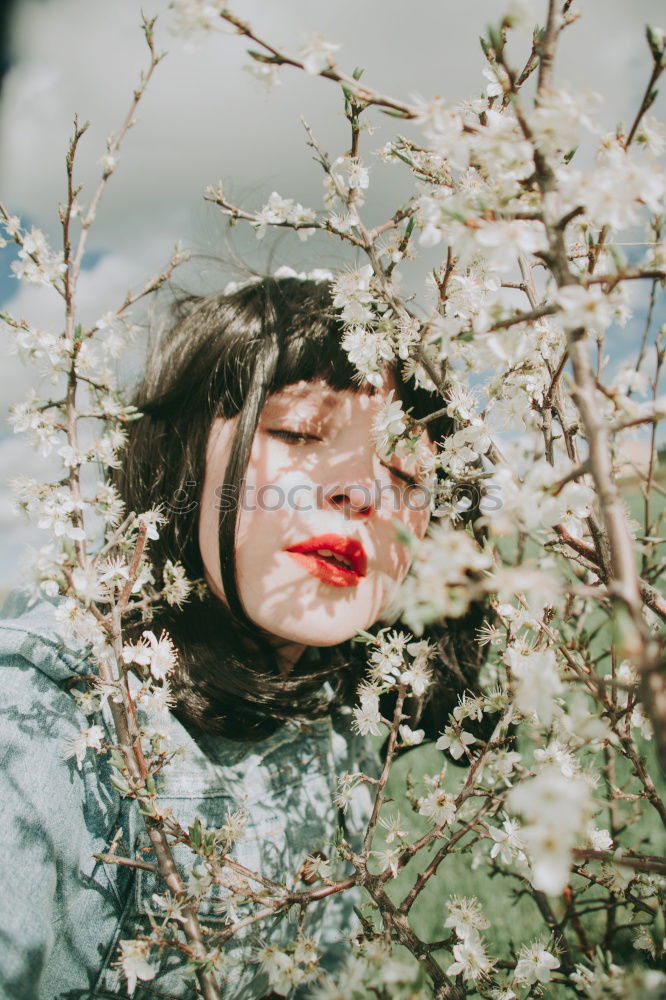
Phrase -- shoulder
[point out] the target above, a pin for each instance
(57, 902)
(31, 630)
(39, 714)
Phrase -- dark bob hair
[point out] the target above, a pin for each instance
(223, 356)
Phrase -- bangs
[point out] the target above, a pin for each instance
(290, 329)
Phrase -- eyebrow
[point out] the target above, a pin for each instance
(290, 393)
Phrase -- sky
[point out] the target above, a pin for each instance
(205, 118)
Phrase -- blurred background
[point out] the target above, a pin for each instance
(205, 118)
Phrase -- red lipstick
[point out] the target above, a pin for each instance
(333, 559)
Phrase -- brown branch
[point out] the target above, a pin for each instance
(638, 864)
(383, 778)
(646, 103)
(114, 859)
(364, 94)
(546, 50)
(649, 594)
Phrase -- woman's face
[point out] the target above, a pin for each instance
(314, 482)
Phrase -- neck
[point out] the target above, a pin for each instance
(288, 655)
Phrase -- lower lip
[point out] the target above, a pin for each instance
(327, 572)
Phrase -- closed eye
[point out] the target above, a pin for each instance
(402, 475)
(298, 437)
(295, 437)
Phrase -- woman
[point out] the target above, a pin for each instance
(257, 436)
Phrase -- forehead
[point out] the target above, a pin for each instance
(320, 391)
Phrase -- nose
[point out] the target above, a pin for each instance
(354, 499)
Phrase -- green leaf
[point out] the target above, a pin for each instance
(261, 56)
(358, 73)
(401, 156)
(119, 783)
(394, 113)
(363, 636)
(495, 36)
(195, 833)
(656, 46)
(403, 534)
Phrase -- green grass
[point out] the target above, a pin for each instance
(513, 914)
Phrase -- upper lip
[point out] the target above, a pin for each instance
(340, 545)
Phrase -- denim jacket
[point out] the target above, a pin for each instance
(63, 913)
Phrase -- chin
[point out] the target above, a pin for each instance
(323, 633)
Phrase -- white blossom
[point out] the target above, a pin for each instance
(78, 627)
(352, 293)
(317, 868)
(134, 963)
(90, 738)
(89, 585)
(346, 784)
(503, 241)
(191, 16)
(366, 718)
(559, 116)
(535, 964)
(439, 583)
(439, 806)
(279, 966)
(317, 55)
(411, 737)
(151, 519)
(177, 587)
(465, 916)
(536, 678)
(279, 210)
(555, 808)
(456, 741)
(588, 308)
(470, 957)
(157, 654)
(37, 264)
(108, 162)
(508, 843)
(418, 676)
(600, 839)
(266, 72)
(556, 754)
(393, 828)
(390, 422)
(388, 859)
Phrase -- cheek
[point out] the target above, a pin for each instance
(416, 513)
